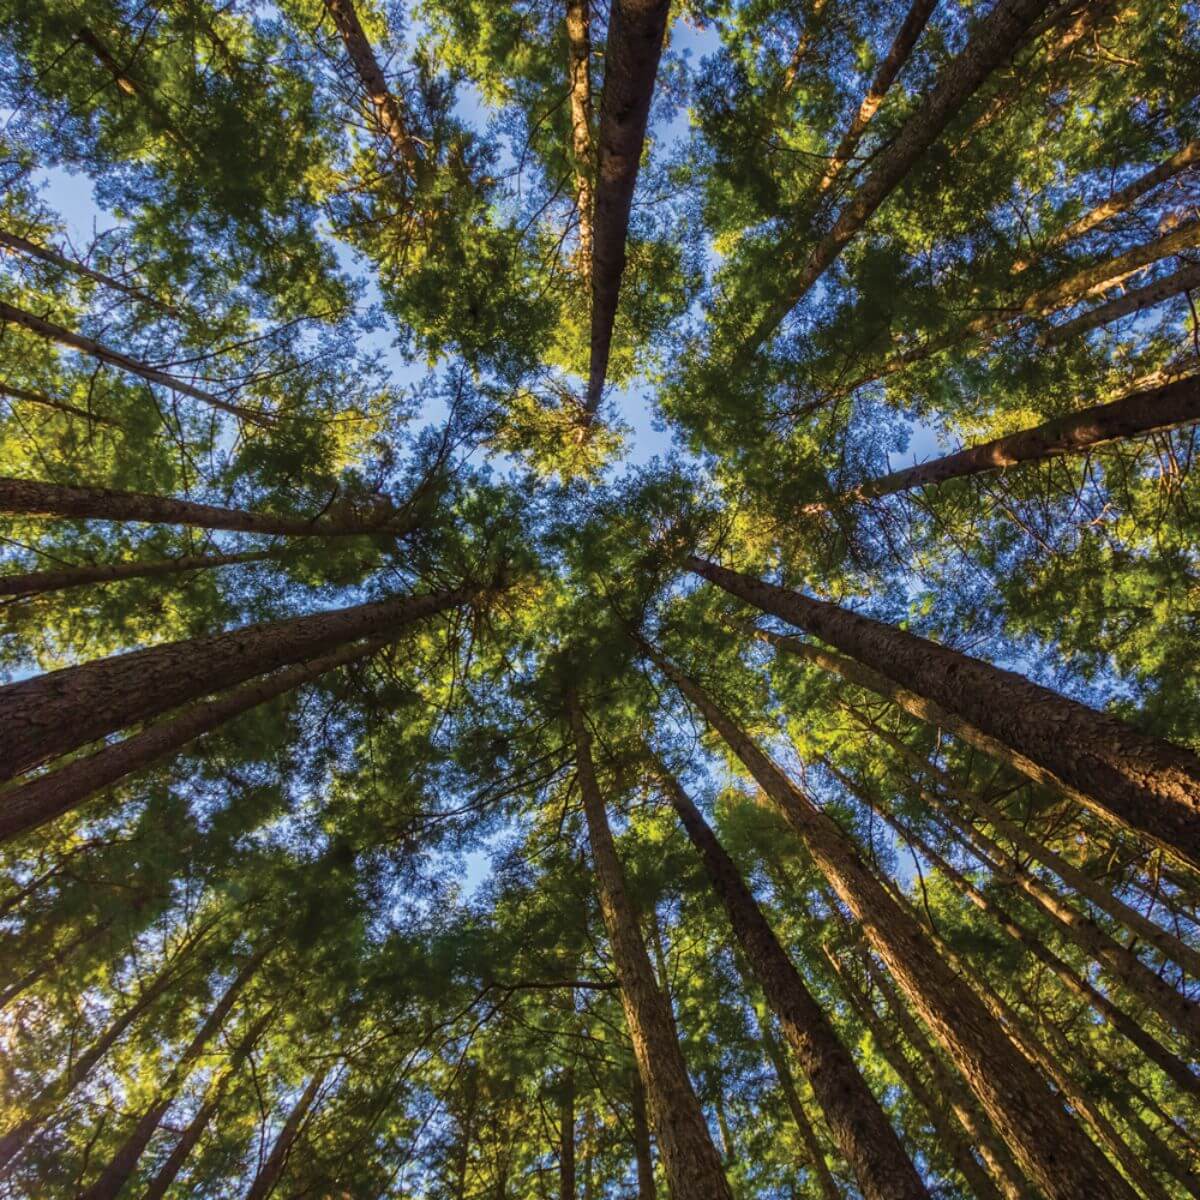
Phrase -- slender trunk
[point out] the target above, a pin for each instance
(37, 583)
(815, 1161)
(1146, 784)
(388, 113)
(1142, 413)
(566, 1137)
(85, 345)
(1047, 1143)
(33, 497)
(646, 1189)
(728, 1149)
(950, 1137)
(121, 1167)
(858, 1124)
(636, 29)
(993, 42)
(31, 397)
(55, 713)
(579, 82)
(691, 1162)
(268, 1177)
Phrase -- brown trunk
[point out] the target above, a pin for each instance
(566, 1137)
(646, 1189)
(84, 345)
(268, 1177)
(993, 42)
(1142, 413)
(33, 497)
(52, 714)
(1146, 784)
(579, 82)
(388, 113)
(1047, 1143)
(116, 1175)
(37, 583)
(691, 1162)
(636, 29)
(858, 1124)
(45, 797)
(31, 397)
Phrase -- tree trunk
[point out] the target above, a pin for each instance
(33, 497)
(268, 1177)
(566, 1137)
(636, 29)
(31, 397)
(1146, 784)
(691, 1162)
(1142, 413)
(116, 1175)
(1045, 1140)
(993, 42)
(579, 82)
(85, 345)
(55, 713)
(37, 583)
(643, 1158)
(858, 1124)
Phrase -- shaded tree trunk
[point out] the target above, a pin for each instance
(692, 1165)
(268, 1177)
(1045, 1140)
(579, 82)
(1146, 784)
(55, 713)
(643, 1157)
(636, 29)
(858, 1124)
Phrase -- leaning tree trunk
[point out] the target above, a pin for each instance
(1144, 783)
(268, 1177)
(40, 398)
(1045, 1140)
(643, 1158)
(52, 714)
(635, 38)
(858, 1124)
(1142, 413)
(45, 797)
(579, 84)
(691, 1161)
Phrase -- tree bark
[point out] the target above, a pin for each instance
(579, 82)
(1046, 1142)
(643, 1158)
(858, 1124)
(636, 29)
(1146, 784)
(1137, 415)
(85, 345)
(55, 713)
(268, 1177)
(689, 1157)
(45, 797)
(40, 398)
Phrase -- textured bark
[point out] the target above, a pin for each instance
(52, 714)
(268, 1177)
(37, 583)
(1045, 1140)
(859, 1125)
(1146, 784)
(566, 1137)
(1137, 415)
(643, 1159)
(121, 1167)
(689, 1157)
(40, 398)
(579, 82)
(635, 39)
(33, 497)
(48, 796)
(386, 108)
(993, 42)
(85, 345)
(950, 1137)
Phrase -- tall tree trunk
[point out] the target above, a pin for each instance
(579, 83)
(1132, 416)
(636, 29)
(38, 583)
(51, 332)
(691, 1162)
(33, 497)
(643, 1157)
(858, 1124)
(1146, 784)
(566, 1136)
(45, 797)
(268, 1177)
(993, 42)
(121, 1167)
(1047, 1143)
(73, 410)
(55, 713)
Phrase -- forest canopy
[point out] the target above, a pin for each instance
(599, 600)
